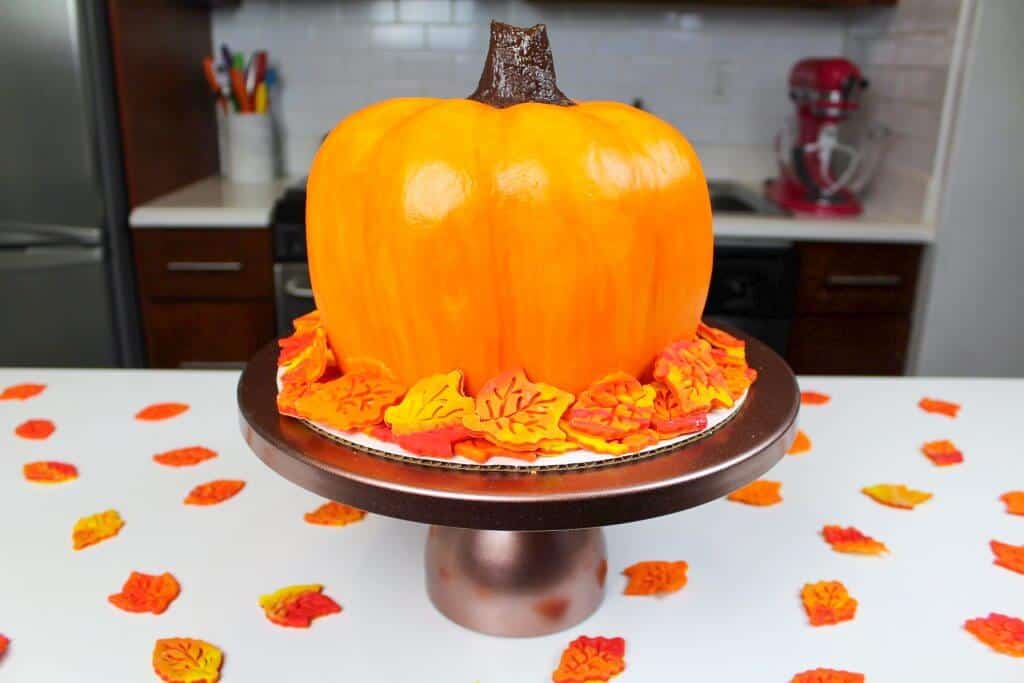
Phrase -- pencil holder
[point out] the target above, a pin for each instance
(247, 147)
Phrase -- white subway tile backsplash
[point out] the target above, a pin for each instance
(367, 11)
(398, 36)
(456, 38)
(425, 11)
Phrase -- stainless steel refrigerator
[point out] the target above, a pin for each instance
(66, 285)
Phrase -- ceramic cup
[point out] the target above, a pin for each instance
(247, 147)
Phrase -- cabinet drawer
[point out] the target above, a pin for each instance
(849, 344)
(198, 263)
(857, 278)
(206, 333)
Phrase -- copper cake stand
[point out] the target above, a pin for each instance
(522, 553)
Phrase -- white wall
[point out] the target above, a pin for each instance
(973, 320)
(718, 74)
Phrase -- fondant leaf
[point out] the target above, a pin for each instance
(689, 370)
(655, 577)
(353, 401)
(801, 444)
(939, 407)
(510, 410)
(851, 540)
(630, 443)
(187, 660)
(146, 593)
(161, 411)
(942, 453)
(35, 429)
(214, 492)
(759, 493)
(1000, 632)
(95, 528)
(334, 514)
(613, 407)
(827, 602)
(49, 472)
(587, 659)
(185, 457)
(827, 676)
(1014, 502)
(298, 606)
(896, 495)
(1009, 556)
(21, 392)
(432, 403)
(669, 418)
(814, 398)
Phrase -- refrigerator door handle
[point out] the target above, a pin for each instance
(27, 234)
(33, 258)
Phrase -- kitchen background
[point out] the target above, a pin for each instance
(172, 264)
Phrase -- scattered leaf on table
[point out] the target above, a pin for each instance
(814, 398)
(1014, 502)
(827, 676)
(934, 405)
(36, 429)
(353, 401)
(669, 418)
(801, 444)
(1000, 632)
(146, 593)
(298, 606)
(161, 411)
(613, 407)
(627, 444)
(21, 392)
(655, 578)
(4, 642)
(761, 492)
(827, 602)
(587, 659)
(334, 514)
(95, 528)
(1008, 556)
(482, 450)
(851, 540)
(896, 495)
(187, 660)
(514, 412)
(432, 403)
(49, 472)
(185, 457)
(690, 371)
(942, 453)
(214, 492)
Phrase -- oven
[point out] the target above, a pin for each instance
(293, 294)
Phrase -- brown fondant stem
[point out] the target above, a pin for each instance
(519, 68)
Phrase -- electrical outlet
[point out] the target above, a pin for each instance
(720, 76)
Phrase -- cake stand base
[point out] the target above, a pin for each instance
(516, 583)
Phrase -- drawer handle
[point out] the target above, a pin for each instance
(863, 281)
(294, 288)
(204, 266)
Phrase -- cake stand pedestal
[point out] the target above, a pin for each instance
(521, 553)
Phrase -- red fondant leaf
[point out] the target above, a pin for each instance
(655, 578)
(613, 407)
(4, 642)
(851, 540)
(827, 676)
(760, 493)
(298, 606)
(827, 602)
(1009, 556)
(161, 411)
(481, 450)
(334, 514)
(669, 418)
(21, 392)
(591, 659)
(801, 444)
(1014, 502)
(942, 453)
(185, 457)
(1000, 632)
(214, 492)
(187, 660)
(814, 398)
(36, 429)
(146, 593)
(934, 405)
(437, 443)
(49, 472)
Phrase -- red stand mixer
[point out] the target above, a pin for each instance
(821, 170)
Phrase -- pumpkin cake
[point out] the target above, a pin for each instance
(514, 274)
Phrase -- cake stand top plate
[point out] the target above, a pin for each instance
(735, 454)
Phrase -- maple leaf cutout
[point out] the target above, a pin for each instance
(851, 540)
(587, 659)
(146, 593)
(669, 418)
(21, 392)
(214, 492)
(814, 398)
(1000, 632)
(942, 453)
(298, 606)
(628, 444)
(939, 407)
(1008, 556)
(482, 450)
(185, 457)
(759, 493)
(690, 371)
(187, 660)
(1014, 502)
(36, 429)
(655, 578)
(827, 603)
(334, 514)
(435, 402)
(4, 642)
(896, 495)
(351, 402)
(613, 407)
(95, 528)
(161, 411)
(510, 410)
(49, 472)
(801, 444)
(827, 676)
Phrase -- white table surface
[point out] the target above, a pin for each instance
(739, 617)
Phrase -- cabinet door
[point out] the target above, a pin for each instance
(849, 344)
(206, 333)
(857, 278)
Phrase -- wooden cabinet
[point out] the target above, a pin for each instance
(853, 308)
(207, 294)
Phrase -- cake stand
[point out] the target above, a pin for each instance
(521, 553)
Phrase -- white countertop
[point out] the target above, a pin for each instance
(218, 203)
(738, 618)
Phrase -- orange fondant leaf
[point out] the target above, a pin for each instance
(1000, 632)
(851, 540)
(353, 401)
(801, 444)
(1009, 556)
(1014, 502)
(307, 360)
(307, 322)
(896, 495)
(288, 396)
(722, 341)
(185, 457)
(942, 453)
(334, 514)
(738, 375)
(161, 411)
(187, 660)
(49, 472)
(146, 593)
(432, 403)
(761, 492)
(827, 602)
(669, 418)
(214, 492)
(512, 411)
(613, 407)
(438, 443)
(655, 578)
(934, 405)
(814, 398)
(827, 676)
(36, 429)
(482, 450)
(4, 642)
(95, 528)
(21, 392)
(298, 606)
(628, 444)
(591, 659)
(690, 371)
